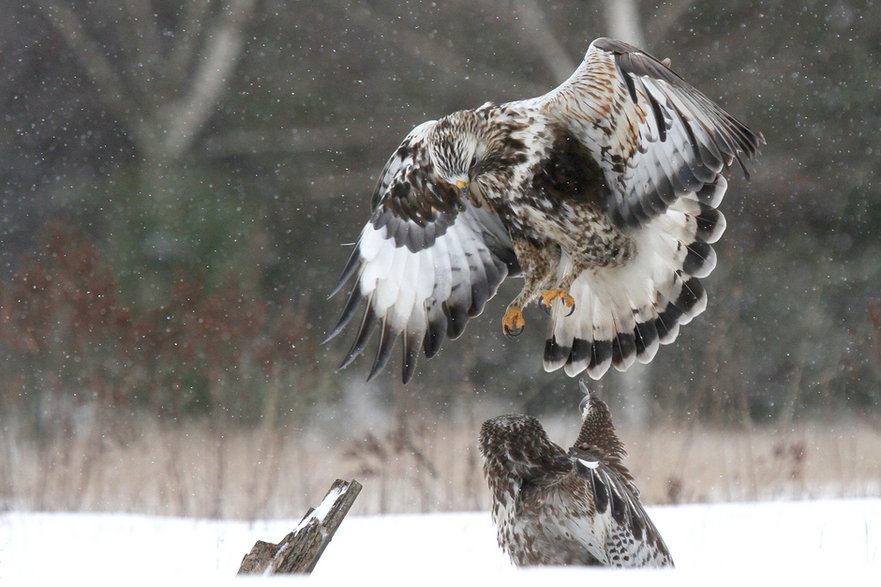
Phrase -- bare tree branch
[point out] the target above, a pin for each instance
(545, 41)
(297, 140)
(165, 106)
(89, 54)
(436, 54)
(186, 40)
(665, 20)
(334, 185)
(223, 47)
(624, 23)
(143, 36)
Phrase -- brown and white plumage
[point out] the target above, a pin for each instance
(579, 507)
(602, 194)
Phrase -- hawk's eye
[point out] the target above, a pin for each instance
(473, 162)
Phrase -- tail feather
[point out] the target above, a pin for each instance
(647, 341)
(623, 314)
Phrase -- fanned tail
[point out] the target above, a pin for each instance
(623, 314)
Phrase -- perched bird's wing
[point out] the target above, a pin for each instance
(663, 147)
(426, 262)
(631, 539)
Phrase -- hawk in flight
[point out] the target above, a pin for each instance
(601, 194)
(551, 507)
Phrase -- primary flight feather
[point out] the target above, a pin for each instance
(602, 194)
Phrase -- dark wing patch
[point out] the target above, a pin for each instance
(569, 172)
(425, 263)
(655, 135)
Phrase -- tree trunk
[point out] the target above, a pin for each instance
(300, 550)
(622, 18)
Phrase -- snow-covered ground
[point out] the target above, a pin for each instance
(809, 541)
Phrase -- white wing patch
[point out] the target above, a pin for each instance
(589, 464)
(424, 265)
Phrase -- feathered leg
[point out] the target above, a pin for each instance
(561, 291)
(604, 246)
(538, 264)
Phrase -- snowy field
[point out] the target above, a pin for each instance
(811, 541)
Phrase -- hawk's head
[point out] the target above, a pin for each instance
(598, 435)
(457, 146)
(516, 446)
(597, 429)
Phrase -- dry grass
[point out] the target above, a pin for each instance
(110, 406)
(278, 471)
(807, 461)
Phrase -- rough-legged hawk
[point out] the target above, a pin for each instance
(551, 507)
(601, 194)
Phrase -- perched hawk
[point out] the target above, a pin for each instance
(577, 508)
(601, 194)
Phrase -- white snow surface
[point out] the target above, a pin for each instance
(810, 542)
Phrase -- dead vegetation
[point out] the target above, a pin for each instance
(255, 473)
(208, 401)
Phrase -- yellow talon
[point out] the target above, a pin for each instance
(550, 295)
(513, 322)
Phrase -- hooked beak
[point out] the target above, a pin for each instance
(463, 188)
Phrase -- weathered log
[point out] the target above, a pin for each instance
(299, 551)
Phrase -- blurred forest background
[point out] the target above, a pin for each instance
(179, 180)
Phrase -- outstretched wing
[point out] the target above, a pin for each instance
(663, 147)
(425, 263)
(631, 539)
(656, 137)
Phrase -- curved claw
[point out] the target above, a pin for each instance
(513, 322)
(512, 334)
(547, 298)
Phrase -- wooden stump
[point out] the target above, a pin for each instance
(300, 550)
